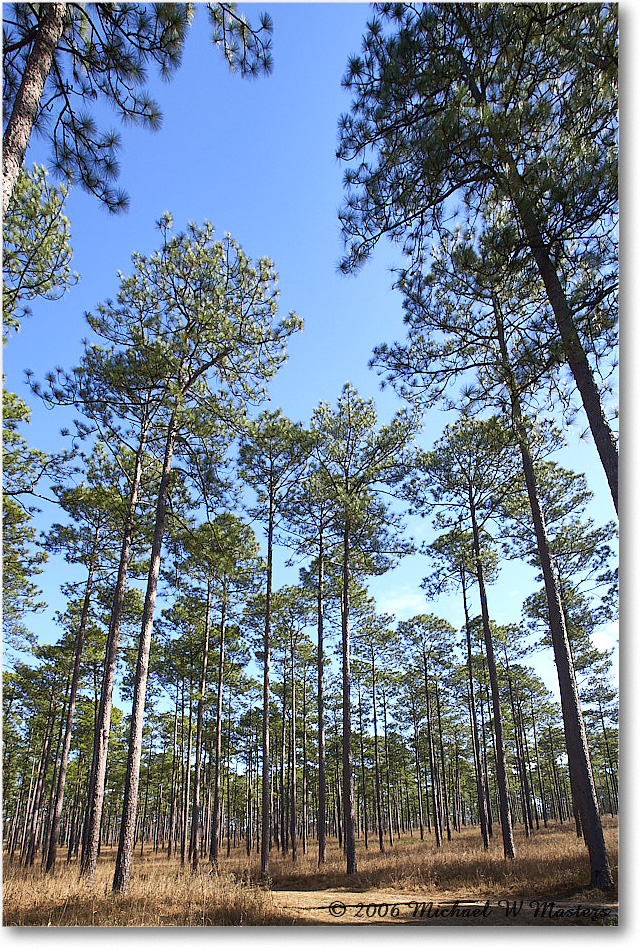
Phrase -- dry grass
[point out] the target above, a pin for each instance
(161, 894)
(552, 863)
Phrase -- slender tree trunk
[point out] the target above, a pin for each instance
(172, 805)
(282, 779)
(249, 813)
(46, 830)
(25, 107)
(443, 765)
(500, 749)
(574, 731)
(539, 769)
(216, 807)
(519, 758)
(376, 750)
(62, 772)
(348, 780)
(35, 803)
(265, 778)
(128, 820)
(304, 826)
(363, 771)
(293, 760)
(431, 754)
(479, 774)
(185, 822)
(321, 820)
(387, 752)
(96, 793)
(418, 773)
(196, 824)
(609, 758)
(146, 802)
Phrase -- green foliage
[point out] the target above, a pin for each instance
(446, 95)
(245, 47)
(36, 246)
(23, 468)
(104, 54)
(359, 464)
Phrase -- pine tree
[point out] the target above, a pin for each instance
(59, 57)
(357, 460)
(273, 454)
(505, 106)
(212, 325)
(36, 248)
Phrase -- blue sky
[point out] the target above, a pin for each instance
(257, 158)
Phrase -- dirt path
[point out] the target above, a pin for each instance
(376, 907)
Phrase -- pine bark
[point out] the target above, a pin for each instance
(500, 748)
(376, 752)
(265, 777)
(27, 102)
(321, 819)
(196, 808)
(71, 707)
(128, 819)
(479, 773)
(603, 436)
(216, 807)
(96, 792)
(348, 779)
(582, 783)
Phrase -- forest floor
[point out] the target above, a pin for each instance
(411, 883)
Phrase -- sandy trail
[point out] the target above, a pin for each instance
(391, 908)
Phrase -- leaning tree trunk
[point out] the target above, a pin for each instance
(582, 784)
(574, 731)
(96, 791)
(26, 104)
(128, 820)
(348, 779)
(516, 190)
(576, 358)
(500, 748)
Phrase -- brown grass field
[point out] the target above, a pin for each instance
(412, 883)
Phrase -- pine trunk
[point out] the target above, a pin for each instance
(196, 807)
(64, 759)
(96, 792)
(265, 778)
(576, 744)
(321, 819)
(216, 807)
(128, 819)
(500, 748)
(27, 102)
(348, 779)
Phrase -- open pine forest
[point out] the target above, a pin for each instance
(221, 724)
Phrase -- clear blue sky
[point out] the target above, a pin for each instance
(256, 158)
